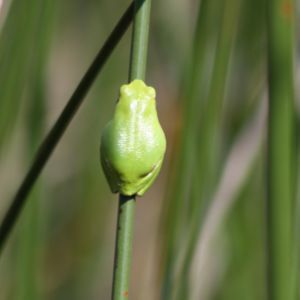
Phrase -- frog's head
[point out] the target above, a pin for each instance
(138, 90)
(137, 97)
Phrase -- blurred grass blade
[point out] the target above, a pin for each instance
(240, 166)
(55, 134)
(16, 39)
(296, 235)
(191, 107)
(296, 215)
(208, 149)
(29, 242)
(281, 159)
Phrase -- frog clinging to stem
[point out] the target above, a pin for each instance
(133, 143)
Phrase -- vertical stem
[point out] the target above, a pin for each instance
(139, 46)
(123, 251)
(123, 247)
(280, 148)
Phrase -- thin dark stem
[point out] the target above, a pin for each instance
(124, 235)
(55, 134)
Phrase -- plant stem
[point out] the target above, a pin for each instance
(280, 177)
(139, 46)
(51, 140)
(124, 235)
(123, 248)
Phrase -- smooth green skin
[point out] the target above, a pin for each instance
(133, 144)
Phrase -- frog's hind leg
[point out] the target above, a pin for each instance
(150, 178)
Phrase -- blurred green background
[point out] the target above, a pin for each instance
(200, 230)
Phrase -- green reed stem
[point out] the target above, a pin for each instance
(124, 234)
(139, 46)
(123, 251)
(280, 158)
(51, 140)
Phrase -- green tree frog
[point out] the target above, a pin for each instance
(133, 143)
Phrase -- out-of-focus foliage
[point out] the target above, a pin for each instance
(16, 43)
(44, 52)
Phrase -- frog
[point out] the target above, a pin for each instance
(133, 143)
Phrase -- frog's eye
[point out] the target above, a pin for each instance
(151, 92)
(125, 90)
